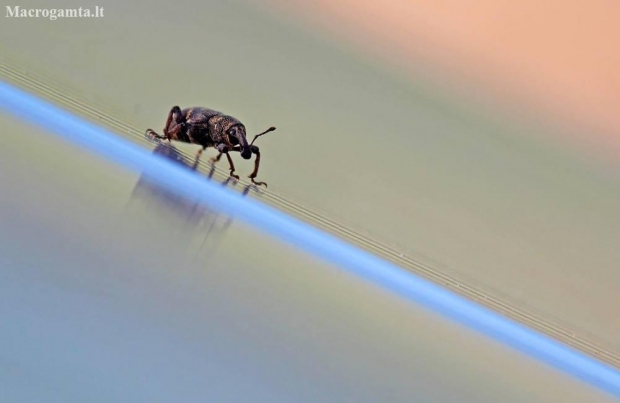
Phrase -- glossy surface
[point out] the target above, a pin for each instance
(482, 197)
(479, 196)
(113, 289)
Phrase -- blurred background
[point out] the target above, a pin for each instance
(478, 137)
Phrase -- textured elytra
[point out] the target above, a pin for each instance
(210, 128)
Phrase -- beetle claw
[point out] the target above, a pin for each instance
(257, 183)
(152, 136)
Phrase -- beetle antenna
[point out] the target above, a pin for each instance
(265, 132)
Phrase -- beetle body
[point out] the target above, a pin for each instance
(211, 128)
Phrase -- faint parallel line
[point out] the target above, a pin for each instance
(38, 86)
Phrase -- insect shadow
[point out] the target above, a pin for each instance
(180, 219)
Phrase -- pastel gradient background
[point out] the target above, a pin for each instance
(479, 138)
(556, 61)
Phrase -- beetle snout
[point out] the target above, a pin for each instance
(246, 154)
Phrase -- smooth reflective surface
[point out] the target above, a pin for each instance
(113, 289)
(488, 198)
(185, 221)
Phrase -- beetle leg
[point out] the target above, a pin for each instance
(232, 166)
(256, 150)
(213, 160)
(174, 124)
(173, 127)
(223, 149)
(152, 133)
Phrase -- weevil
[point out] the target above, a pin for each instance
(210, 128)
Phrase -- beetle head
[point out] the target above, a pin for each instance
(236, 134)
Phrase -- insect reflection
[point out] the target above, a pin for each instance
(181, 219)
